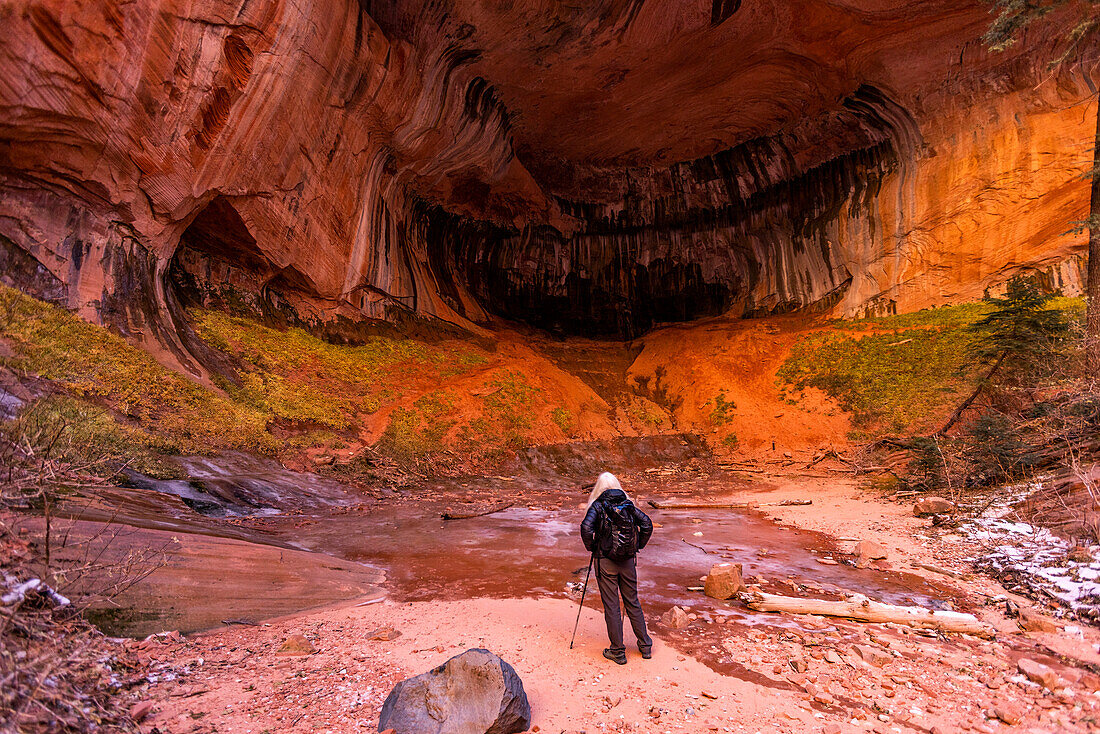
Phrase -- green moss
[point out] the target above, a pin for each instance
(906, 376)
(93, 363)
(299, 378)
(731, 441)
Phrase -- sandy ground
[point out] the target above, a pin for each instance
(568, 689)
(789, 675)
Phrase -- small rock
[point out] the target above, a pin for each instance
(833, 656)
(140, 710)
(723, 581)
(296, 645)
(708, 694)
(1039, 673)
(872, 655)
(932, 506)
(798, 665)
(384, 633)
(1090, 681)
(676, 618)
(1008, 714)
(1030, 621)
(868, 551)
(832, 728)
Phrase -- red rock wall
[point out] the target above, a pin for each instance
(120, 122)
(855, 159)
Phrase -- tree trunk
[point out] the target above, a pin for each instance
(1092, 287)
(863, 609)
(973, 396)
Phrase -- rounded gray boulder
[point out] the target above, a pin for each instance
(472, 693)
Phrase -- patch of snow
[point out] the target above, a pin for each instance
(1038, 559)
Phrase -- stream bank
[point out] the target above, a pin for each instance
(507, 581)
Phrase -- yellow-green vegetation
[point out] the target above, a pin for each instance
(297, 377)
(731, 441)
(507, 411)
(723, 409)
(962, 314)
(288, 377)
(417, 432)
(563, 418)
(92, 363)
(644, 412)
(905, 375)
(87, 438)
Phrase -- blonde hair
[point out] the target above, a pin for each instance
(604, 482)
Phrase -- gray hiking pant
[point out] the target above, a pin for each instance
(615, 579)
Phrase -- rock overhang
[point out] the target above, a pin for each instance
(591, 168)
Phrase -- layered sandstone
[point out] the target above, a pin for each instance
(592, 169)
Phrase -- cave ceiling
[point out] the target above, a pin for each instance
(627, 84)
(587, 167)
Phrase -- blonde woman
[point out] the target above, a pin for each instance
(614, 530)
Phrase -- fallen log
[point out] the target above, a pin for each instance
(452, 515)
(664, 505)
(862, 609)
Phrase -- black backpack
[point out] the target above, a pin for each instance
(620, 533)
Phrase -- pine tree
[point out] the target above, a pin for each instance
(1020, 331)
(1016, 336)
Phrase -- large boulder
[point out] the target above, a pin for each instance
(723, 581)
(472, 693)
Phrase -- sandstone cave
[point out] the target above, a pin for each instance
(322, 322)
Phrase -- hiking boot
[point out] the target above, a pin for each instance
(615, 657)
(646, 653)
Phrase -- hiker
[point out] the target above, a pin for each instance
(614, 530)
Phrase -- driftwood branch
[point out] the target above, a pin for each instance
(453, 515)
(695, 546)
(862, 609)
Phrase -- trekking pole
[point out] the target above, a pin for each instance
(583, 592)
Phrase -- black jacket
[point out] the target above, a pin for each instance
(596, 516)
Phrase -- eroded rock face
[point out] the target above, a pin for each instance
(590, 169)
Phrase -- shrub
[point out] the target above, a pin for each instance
(563, 418)
(722, 410)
